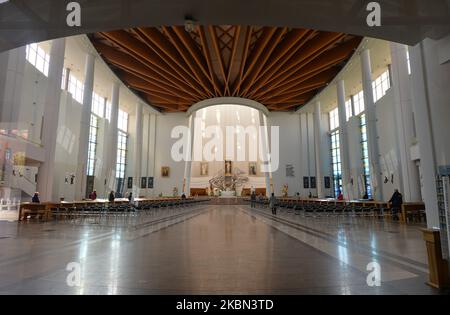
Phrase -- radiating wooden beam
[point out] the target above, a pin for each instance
(317, 65)
(193, 49)
(261, 44)
(215, 42)
(185, 54)
(262, 59)
(278, 65)
(316, 81)
(238, 82)
(206, 52)
(139, 51)
(237, 34)
(289, 45)
(164, 49)
(313, 48)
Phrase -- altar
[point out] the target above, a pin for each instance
(227, 194)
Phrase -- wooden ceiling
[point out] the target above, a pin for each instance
(173, 69)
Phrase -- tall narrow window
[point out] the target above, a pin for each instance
(76, 88)
(334, 119)
(336, 162)
(349, 108)
(381, 85)
(93, 131)
(408, 60)
(38, 58)
(365, 157)
(358, 103)
(98, 105)
(108, 110)
(122, 142)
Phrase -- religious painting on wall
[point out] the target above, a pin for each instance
(165, 171)
(203, 169)
(305, 182)
(228, 168)
(327, 181)
(252, 169)
(312, 182)
(143, 182)
(150, 182)
(130, 182)
(290, 172)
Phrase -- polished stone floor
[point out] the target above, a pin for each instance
(211, 250)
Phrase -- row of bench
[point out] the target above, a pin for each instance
(69, 211)
(326, 208)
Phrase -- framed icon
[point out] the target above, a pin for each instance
(143, 182)
(312, 181)
(327, 181)
(203, 169)
(228, 167)
(252, 169)
(165, 171)
(150, 182)
(130, 183)
(306, 182)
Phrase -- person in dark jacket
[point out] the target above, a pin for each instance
(253, 199)
(273, 204)
(396, 202)
(111, 196)
(35, 198)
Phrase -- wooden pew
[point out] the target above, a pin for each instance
(411, 209)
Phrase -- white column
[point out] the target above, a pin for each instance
(12, 67)
(152, 149)
(317, 148)
(264, 138)
(186, 189)
(410, 181)
(421, 107)
(50, 120)
(372, 136)
(343, 139)
(66, 79)
(84, 127)
(113, 133)
(138, 149)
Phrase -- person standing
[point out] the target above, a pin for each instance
(35, 198)
(273, 204)
(340, 196)
(111, 196)
(396, 202)
(253, 199)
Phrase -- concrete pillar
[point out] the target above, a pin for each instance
(113, 134)
(264, 138)
(83, 144)
(317, 146)
(343, 139)
(12, 68)
(50, 120)
(421, 106)
(372, 135)
(138, 149)
(410, 181)
(152, 149)
(66, 79)
(186, 188)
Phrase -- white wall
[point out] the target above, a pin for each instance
(164, 125)
(388, 144)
